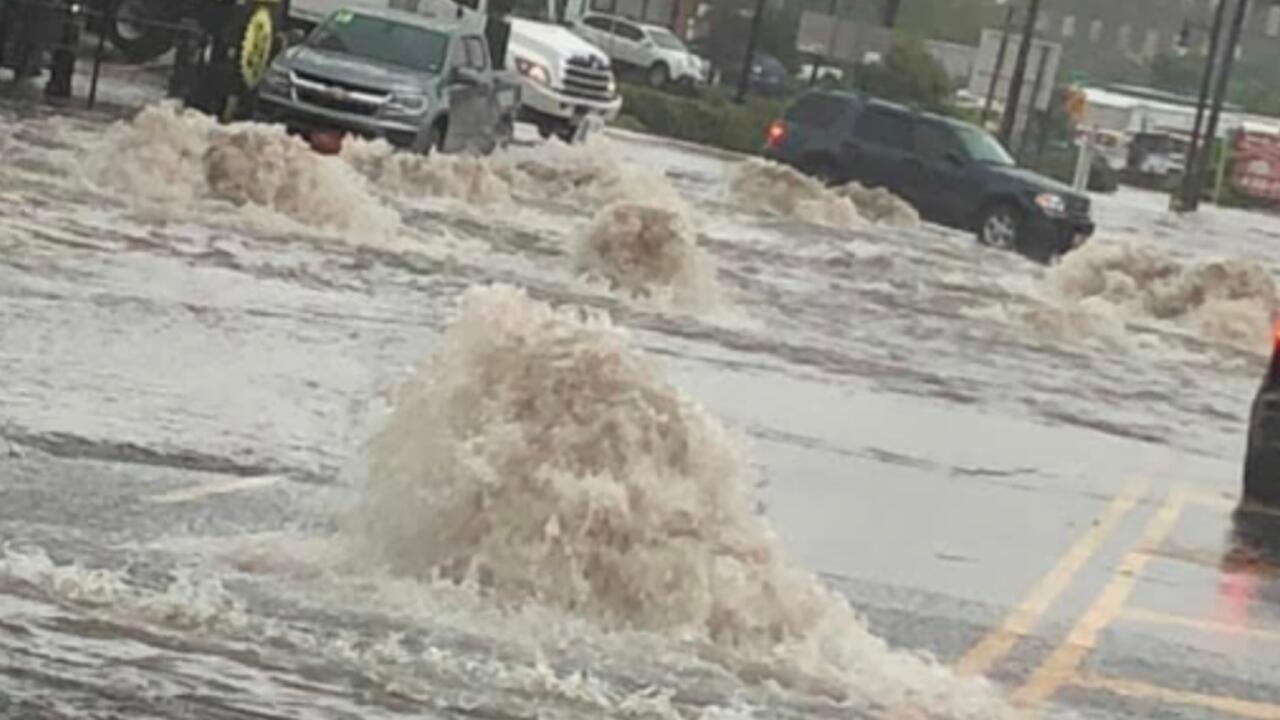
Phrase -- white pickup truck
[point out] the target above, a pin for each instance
(568, 83)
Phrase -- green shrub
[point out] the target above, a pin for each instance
(712, 118)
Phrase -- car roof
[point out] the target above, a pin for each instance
(655, 26)
(451, 23)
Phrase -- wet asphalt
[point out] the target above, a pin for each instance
(148, 397)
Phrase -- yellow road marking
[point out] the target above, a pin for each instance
(1219, 628)
(216, 487)
(997, 643)
(1212, 499)
(1062, 665)
(1219, 703)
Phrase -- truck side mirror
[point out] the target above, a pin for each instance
(463, 76)
(953, 158)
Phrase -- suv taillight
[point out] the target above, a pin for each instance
(776, 134)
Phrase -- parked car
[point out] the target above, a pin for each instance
(651, 49)
(767, 75)
(421, 83)
(954, 173)
(1262, 454)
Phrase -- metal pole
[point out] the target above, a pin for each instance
(1035, 95)
(831, 41)
(995, 75)
(1019, 73)
(1206, 84)
(752, 38)
(97, 66)
(1219, 96)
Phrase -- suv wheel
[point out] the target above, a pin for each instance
(658, 75)
(1001, 227)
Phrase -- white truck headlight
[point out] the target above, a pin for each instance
(536, 72)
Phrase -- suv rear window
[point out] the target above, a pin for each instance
(817, 110)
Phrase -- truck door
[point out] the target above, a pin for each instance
(938, 184)
(473, 111)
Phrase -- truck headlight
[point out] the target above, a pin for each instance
(407, 103)
(277, 80)
(536, 72)
(1052, 204)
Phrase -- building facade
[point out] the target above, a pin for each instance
(1106, 40)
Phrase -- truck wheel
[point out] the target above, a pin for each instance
(1000, 226)
(658, 75)
(241, 53)
(127, 29)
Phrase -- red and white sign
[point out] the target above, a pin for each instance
(1257, 165)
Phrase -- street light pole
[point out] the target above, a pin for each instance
(1219, 96)
(1019, 73)
(1206, 84)
(752, 39)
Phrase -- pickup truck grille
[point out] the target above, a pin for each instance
(337, 95)
(587, 79)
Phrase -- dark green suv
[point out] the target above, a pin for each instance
(954, 173)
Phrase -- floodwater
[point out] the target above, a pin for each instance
(570, 432)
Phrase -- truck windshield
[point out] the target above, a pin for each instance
(665, 40)
(384, 41)
(532, 10)
(983, 148)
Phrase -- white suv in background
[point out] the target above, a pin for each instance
(652, 49)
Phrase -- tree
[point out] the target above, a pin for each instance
(731, 21)
(908, 74)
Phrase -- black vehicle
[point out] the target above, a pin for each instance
(954, 173)
(1262, 454)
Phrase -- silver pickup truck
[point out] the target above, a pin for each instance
(422, 82)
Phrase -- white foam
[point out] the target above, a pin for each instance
(651, 252)
(462, 177)
(779, 190)
(539, 456)
(1228, 301)
(170, 157)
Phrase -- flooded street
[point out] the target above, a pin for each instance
(624, 430)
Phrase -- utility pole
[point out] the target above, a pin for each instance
(753, 37)
(1019, 73)
(1219, 96)
(999, 67)
(1206, 84)
(1036, 87)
